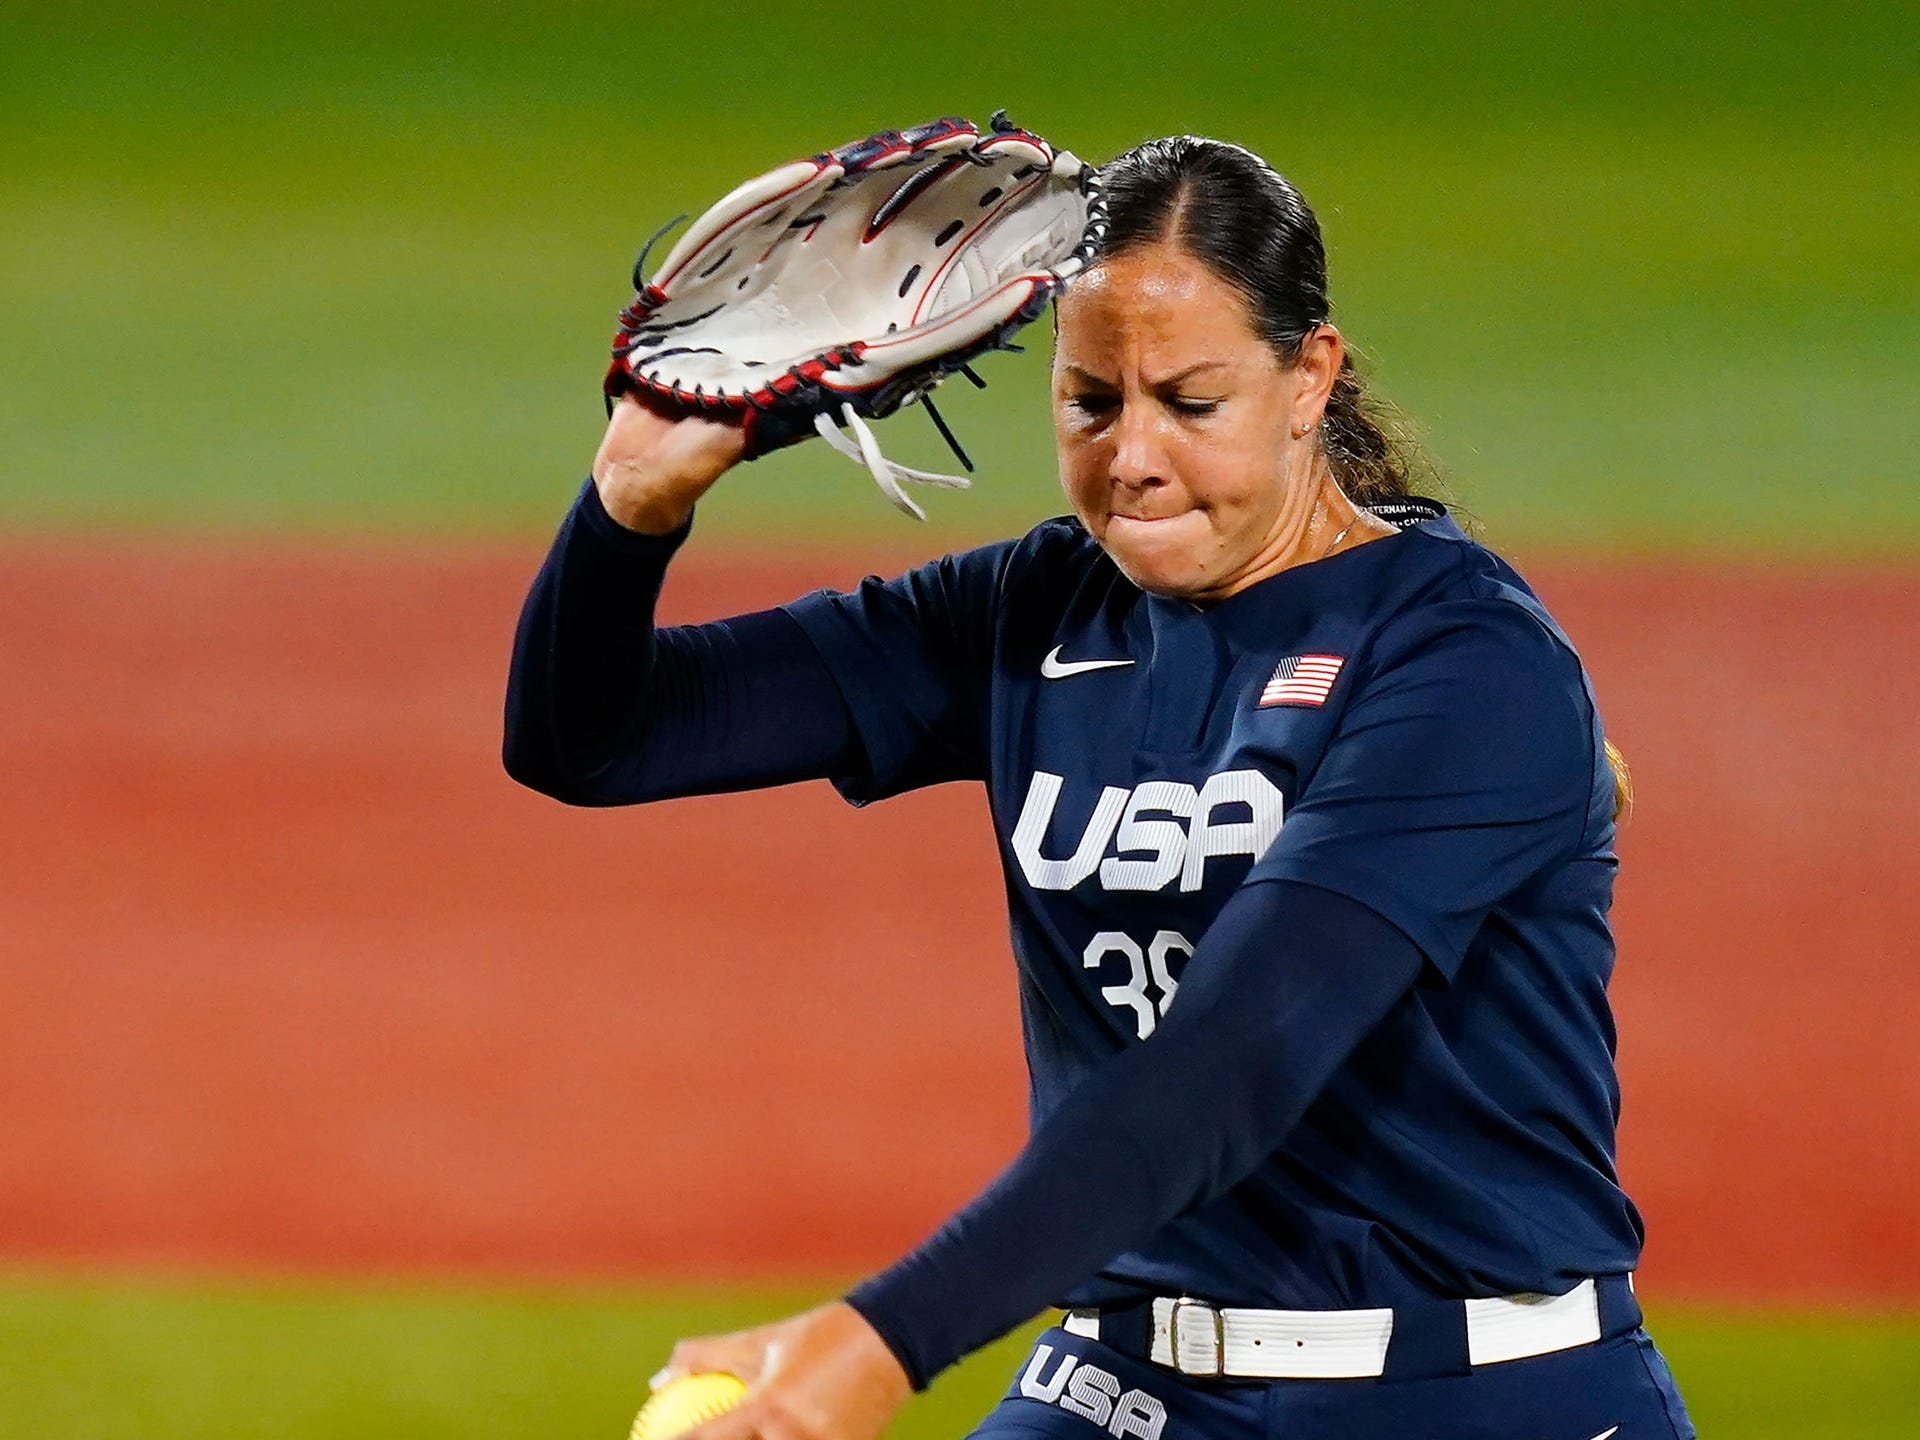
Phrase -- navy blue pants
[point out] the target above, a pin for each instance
(1072, 1388)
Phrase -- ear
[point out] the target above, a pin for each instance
(1322, 354)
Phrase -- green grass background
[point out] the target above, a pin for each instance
(92, 1359)
(1648, 275)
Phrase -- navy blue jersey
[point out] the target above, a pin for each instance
(1355, 820)
(1401, 724)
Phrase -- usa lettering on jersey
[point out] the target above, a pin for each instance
(1082, 1388)
(1158, 831)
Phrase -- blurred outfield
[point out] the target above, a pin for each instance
(1650, 281)
(1649, 275)
(304, 1363)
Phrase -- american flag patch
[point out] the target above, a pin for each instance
(1303, 680)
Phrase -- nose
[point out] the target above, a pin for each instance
(1139, 459)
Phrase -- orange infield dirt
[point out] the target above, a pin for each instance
(291, 975)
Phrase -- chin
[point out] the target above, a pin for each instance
(1159, 563)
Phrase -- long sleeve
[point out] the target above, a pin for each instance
(603, 708)
(1283, 987)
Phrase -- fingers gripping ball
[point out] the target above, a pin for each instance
(679, 1405)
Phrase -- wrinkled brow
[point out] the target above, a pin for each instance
(1077, 372)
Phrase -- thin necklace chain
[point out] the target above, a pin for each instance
(1343, 534)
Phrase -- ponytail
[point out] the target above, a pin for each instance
(1366, 442)
(1622, 781)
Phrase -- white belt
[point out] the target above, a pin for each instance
(1197, 1339)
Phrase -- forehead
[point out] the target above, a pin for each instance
(1155, 302)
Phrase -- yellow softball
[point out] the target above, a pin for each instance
(679, 1405)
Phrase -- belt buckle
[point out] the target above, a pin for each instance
(1216, 1338)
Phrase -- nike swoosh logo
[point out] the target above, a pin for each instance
(1606, 1434)
(1054, 668)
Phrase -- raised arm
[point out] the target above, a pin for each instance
(602, 708)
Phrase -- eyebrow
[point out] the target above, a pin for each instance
(1087, 375)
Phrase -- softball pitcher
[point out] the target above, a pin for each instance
(1307, 818)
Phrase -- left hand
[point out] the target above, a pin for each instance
(824, 1375)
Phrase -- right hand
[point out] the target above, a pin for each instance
(824, 1375)
(653, 465)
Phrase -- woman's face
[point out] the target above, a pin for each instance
(1178, 428)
